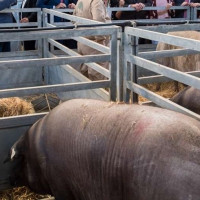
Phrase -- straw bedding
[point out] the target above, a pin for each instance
(167, 89)
(15, 106)
(21, 193)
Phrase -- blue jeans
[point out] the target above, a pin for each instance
(4, 46)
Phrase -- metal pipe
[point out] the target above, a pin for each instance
(122, 24)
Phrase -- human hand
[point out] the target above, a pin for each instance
(141, 5)
(194, 5)
(168, 6)
(61, 5)
(137, 6)
(121, 3)
(24, 20)
(71, 5)
(185, 3)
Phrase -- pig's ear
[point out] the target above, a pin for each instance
(16, 151)
(12, 155)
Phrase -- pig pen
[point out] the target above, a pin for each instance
(142, 67)
(48, 70)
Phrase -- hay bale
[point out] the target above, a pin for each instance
(166, 89)
(15, 106)
(21, 193)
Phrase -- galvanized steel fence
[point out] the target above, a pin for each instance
(133, 60)
(123, 55)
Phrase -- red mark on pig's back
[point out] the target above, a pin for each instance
(142, 125)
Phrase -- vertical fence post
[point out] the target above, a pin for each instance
(45, 47)
(127, 52)
(39, 21)
(113, 66)
(194, 14)
(120, 65)
(52, 23)
(188, 13)
(134, 51)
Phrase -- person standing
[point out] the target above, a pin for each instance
(182, 13)
(6, 18)
(139, 6)
(29, 17)
(94, 10)
(59, 4)
(56, 4)
(162, 14)
(121, 5)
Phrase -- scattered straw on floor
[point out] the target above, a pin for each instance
(15, 106)
(167, 89)
(21, 193)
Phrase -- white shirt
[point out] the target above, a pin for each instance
(23, 3)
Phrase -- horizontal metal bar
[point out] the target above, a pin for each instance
(54, 88)
(153, 79)
(166, 71)
(19, 53)
(55, 34)
(161, 101)
(92, 65)
(148, 8)
(18, 58)
(21, 120)
(17, 25)
(170, 21)
(90, 43)
(93, 44)
(59, 24)
(70, 17)
(39, 62)
(161, 78)
(167, 53)
(168, 28)
(100, 92)
(21, 10)
(63, 10)
(165, 38)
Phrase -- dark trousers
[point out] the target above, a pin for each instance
(4, 46)
(29, 45)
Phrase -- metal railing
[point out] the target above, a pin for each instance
(154, 8)
(49, 22)
(18, 12)
(131, 60)
(134, 60)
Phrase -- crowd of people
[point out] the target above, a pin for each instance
(125, 15)
(95, 10)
